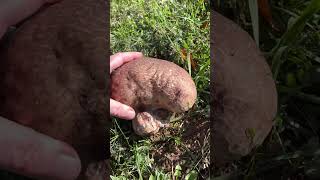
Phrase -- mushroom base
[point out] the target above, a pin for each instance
(149, 122)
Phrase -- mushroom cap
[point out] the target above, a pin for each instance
(244, 93)
(151, 86)
(55, 73)
(149, 83)
(55, 76)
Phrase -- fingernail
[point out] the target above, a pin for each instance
(68, 164)
(131, 113)
(67, 151)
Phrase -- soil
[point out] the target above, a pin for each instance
(191, 150)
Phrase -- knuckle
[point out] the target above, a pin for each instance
(119, 55)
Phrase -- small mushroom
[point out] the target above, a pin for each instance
(244, 93)
(153, 87)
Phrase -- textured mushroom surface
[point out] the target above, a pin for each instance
(244, 93)
(150, 86)
(55, 79)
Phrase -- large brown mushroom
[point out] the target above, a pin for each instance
(244, 93)
(153, 87)
(55, 79)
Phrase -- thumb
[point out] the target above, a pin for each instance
(29, 153)
(13, 11)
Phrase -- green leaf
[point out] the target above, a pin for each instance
(177, 141)
(152, 177)
(291, 80)
(178, 170)
(250, 133)
(193, 175)
(118, 178)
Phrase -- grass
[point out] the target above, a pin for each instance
(292, 150)
(175, 30)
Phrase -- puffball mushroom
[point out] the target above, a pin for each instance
(244, 93)
(152, 87)
(55, 79)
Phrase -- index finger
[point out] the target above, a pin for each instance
(118, 59)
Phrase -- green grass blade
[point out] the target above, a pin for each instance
(293, 34)
(277, 61)
(254, 12)
(189, 63)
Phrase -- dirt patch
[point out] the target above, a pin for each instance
(186, 144)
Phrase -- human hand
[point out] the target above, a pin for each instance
(23, 150)
(116, 108)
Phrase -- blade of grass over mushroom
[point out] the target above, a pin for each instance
(254, 12)
(189, 63)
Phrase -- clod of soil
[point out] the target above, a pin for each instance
(153, 87)
(55, 79)
(244, 93)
